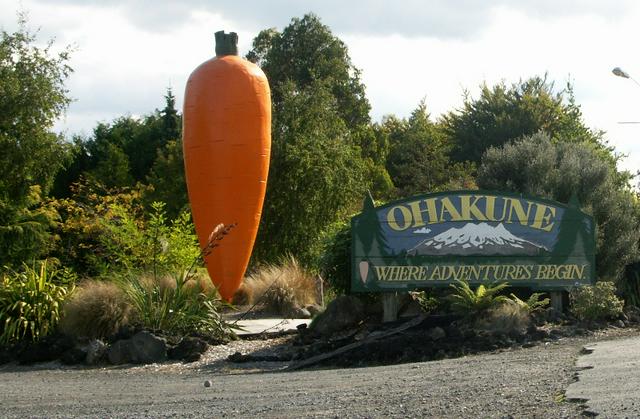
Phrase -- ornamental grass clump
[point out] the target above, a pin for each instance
(504, 318)
(174, 306)
(596, 302)
(96, 309)
(182, 303)
(281, 288)
(31, 300)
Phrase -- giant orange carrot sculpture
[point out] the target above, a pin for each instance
(227, 143)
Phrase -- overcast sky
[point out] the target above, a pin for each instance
(129, 52)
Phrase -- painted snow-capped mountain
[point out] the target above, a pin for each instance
(476, 239)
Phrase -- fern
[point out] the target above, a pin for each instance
(533, 303)
(469, 302)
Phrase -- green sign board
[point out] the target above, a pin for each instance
(432, 240)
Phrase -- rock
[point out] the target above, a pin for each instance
(298, 313)
(48, 349)
(314, 309)
(74, 356)
(410, 309)
(142, 348)
(96, 350)
(557, 333)
(148, 348)
(208, 383)
(453, 332)
(341, 313)
(120, 352)
(517, 336)
(537, 334)
(189, 349)
(436, 333)
(5, 356)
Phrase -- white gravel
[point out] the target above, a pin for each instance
(514, 383)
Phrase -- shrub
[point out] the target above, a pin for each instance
(97, 309)
(468, 302)
(30, 301)
(335, 263)
(427, 303)
(629, 284)
(282, 288)
(175, 306)
(537, 165)
(107, 230)
(504, 318)
(596, 302)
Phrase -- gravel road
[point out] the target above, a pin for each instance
(519, 382)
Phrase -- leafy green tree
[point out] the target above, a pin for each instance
(324, 153)
(32, 98)
(536, 165)
(122, 152)
(315, 175)
(502, 113)
(304, 53)
(167, 179)
(418, 160)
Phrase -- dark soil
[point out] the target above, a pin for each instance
(436, 338)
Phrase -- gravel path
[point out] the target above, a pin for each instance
(521, 382)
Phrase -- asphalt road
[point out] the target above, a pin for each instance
(523, 383)
(609, 379)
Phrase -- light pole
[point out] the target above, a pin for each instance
(621, 73)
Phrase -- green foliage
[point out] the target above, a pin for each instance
(315, 177)
(324, 153)
(469, 302)
(131, 244)
(629, 284)
(533, 303)
(305, 53)
(538, 166)
(106, 231)
(503, 113)
(175, 306)
(418, 160)
(32, 98)
(427, 302)
(167, 179)
(123, 152)
(25, 230)
(335, 263)
(596, 302)
(30, 302)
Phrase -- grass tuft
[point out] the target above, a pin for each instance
(280, 288)
(97, 309)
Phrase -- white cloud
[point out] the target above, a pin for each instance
(130, 51)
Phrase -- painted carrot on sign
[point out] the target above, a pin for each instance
(227, 144)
